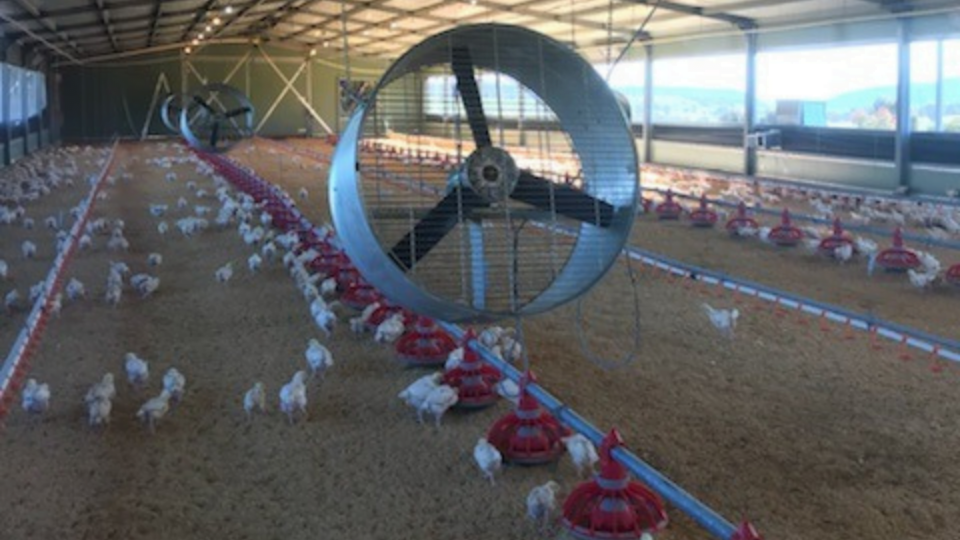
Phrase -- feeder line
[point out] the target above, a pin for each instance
(28, 340)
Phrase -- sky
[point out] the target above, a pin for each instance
(815, 74)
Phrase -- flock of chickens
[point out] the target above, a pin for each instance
(427, 395)
(939, 222)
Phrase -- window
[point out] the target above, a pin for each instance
(935, 85)
(507, 101)
(701, 91)
(14, 86)
(843, 87)
(628, 79)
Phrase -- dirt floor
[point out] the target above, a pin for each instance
(804, 432)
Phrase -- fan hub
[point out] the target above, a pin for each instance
(492, 173)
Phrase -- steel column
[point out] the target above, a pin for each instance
(648, 104)
(902, 156)
(750, 106)
(938, 107)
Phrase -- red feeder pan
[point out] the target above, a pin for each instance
(897, 258)
(785, 234)
(611, 507)
(474, 380)
(953, 275)
(703, 216)
(669, 208)
(359, 294)
(528, 435)
(647, 204)
(839, 238)
(425, 345)
(746, 531)
(741, 220)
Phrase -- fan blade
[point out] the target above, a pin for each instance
(200, 101)
(470, 94)
(214, 134)
(237, 111)
(441, 219)
(568, 201)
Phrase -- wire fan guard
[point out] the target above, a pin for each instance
(215, 117)
(491, 173)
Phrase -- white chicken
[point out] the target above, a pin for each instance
(323, 315)
(303, 193)
(319, 358)
(488, 459)
(269, 251)
(154, 410)
(254, 263)
(437, 402)
(542, 503)
(255, 400)
(582, 452)
(137, 369)
(154, 259)
(843, 253)
(4, 269)
(415, 394)
(36, 397)
(293, 396)
(145, 284)
(163, 227)
(98, 412)
(454, 359)
(117, 241)
(922, 280)
(104, 389)
(174, 383)
(11, 301)
(328, 287)
(390, 329)
(224, 273)
(28, 249)
(508, 390)
(724, 320)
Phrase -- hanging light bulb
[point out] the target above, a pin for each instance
(208, 28)
(326, 43)
(228, 10)
(313, 51)
(201, 36)
(217, 21)
(195, 42)
(187, 50)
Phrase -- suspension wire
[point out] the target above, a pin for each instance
(633, 38)
(610, 32)
(573, 27)
(631, 355)
(346, 41)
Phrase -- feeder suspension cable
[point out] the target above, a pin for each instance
(633, 38)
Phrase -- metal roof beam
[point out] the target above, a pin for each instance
(201, 12)
(520, 9)
(893, 6)
(743, 23)
(105, 20)
(157, 9)
(33, 13)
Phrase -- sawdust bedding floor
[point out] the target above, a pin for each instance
(804, 432)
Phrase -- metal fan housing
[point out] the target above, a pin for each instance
(597, 216)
